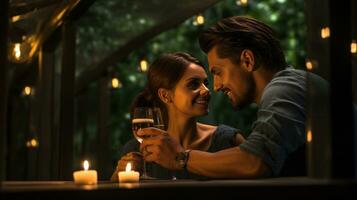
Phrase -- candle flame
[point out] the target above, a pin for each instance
(128, 167)
(86, 165)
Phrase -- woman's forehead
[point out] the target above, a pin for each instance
(194, 70)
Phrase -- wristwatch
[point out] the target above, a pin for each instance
(182, 158)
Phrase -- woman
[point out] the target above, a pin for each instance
(177, 84)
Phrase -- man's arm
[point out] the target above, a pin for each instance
(228, 163)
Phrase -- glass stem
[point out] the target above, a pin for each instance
(144, 170)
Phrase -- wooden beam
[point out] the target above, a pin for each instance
(4, 24)
(176, 17)
(21, 8)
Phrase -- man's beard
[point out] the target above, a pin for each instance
(247, 97)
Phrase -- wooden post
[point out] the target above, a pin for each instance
(45, 94)
(332, 149)
(343, 151)
(67, 100)
(354, 74)
(4, 24)
(318, 106)
(103, 155)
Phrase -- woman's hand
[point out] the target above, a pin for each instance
(136, 160)
(160, 148)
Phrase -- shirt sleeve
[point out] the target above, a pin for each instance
(280, 125)
(223, 138)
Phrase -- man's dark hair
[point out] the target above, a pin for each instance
(234, 34)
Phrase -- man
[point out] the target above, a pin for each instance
(248, 65)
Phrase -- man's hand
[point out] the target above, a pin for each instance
(136, 160)
(160, 148)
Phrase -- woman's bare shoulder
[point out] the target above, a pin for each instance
(207, 128)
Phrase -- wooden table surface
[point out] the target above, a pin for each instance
(275, 188)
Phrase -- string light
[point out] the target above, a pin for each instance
(33, 143)
(354, 46)
(15, 18)
(116, 83)
(17, 51)
(309, 65)
(27, 91)
(309, 136)
(325, 32)
(242, 2)
(200, 19)
(143, 65)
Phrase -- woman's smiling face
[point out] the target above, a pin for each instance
(191, 94)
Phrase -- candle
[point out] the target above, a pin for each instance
(85, 176)
(128, 175)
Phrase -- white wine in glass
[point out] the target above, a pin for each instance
(139, 123)
(142, 118)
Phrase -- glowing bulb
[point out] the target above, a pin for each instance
(27, 90)
(86, 165)
(309, 65)
(325, 32)
(309, 136)
(17, 51)
(128, 167)
(242, 2)
(200, 19)
(15, 18)
(116, 83)
(143, 65)
(33, 143)
(354, 47)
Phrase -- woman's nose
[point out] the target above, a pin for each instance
(204, 90)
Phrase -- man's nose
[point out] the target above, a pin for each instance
(217, 84)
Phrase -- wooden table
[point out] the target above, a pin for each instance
(273, 188)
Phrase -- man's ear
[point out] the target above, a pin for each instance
(247, 59)
(164, 95)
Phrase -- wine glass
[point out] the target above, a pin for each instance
(142, 118)
(157, 116)
(159, 123)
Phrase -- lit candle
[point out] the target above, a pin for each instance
(85, 176)
(128, 175)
